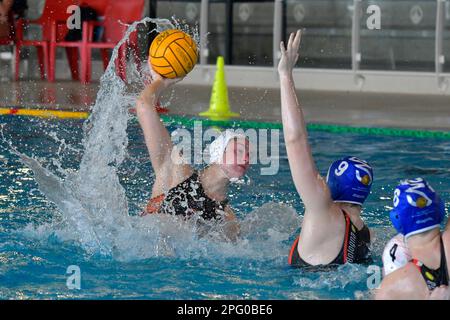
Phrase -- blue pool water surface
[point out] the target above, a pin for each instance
(36, 247)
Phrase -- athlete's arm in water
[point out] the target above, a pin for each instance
(309, 184)
(157, 137)
(231, 225)
(402, 284)
(407, 284)
(441, 293)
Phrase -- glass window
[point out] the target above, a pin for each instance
(216, 31)
(185, 12)
(252, 34)
(406, 40)
(327, 37)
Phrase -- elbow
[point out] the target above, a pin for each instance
(294, 133)
(294, 138)
(291, 138)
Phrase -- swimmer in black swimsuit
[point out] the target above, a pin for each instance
(417, 214)
(332, 230)
(178, 189)
(189, 197)
(434, 278)
(355, 248)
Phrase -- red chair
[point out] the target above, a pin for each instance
(117, 13)
(98, 5)
(73, 48)
(54, 10)
(6, 41)
(9, 39)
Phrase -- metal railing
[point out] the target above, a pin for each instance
(439, 58)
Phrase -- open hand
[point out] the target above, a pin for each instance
(153, 89)
(161, 82)
(289, 55)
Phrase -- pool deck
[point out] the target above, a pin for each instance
(326, 107)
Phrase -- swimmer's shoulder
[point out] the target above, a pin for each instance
(169, 177)
(404, 283)
(327, 217)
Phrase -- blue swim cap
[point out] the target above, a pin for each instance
(349, 180)
(417, 207)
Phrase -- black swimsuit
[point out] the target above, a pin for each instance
(434, 278)
(355, 248)
(188, 198)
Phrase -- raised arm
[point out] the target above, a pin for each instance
(309, 184)
(156, 136)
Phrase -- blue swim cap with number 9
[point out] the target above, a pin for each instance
(350, 180)
(417, 207)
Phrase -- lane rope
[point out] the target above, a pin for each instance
(44, 113)
(244, 124)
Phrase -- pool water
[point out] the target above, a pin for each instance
(147, 258)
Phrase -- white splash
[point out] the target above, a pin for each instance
(94, 207)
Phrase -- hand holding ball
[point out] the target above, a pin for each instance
(173, 54)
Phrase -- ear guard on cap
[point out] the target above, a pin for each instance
(350, 180)
(217, 147)
(417, 208)
(395, 219)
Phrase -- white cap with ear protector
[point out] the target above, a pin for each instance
(218, 146)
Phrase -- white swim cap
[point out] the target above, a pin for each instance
(218, 146)
(395, 255)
